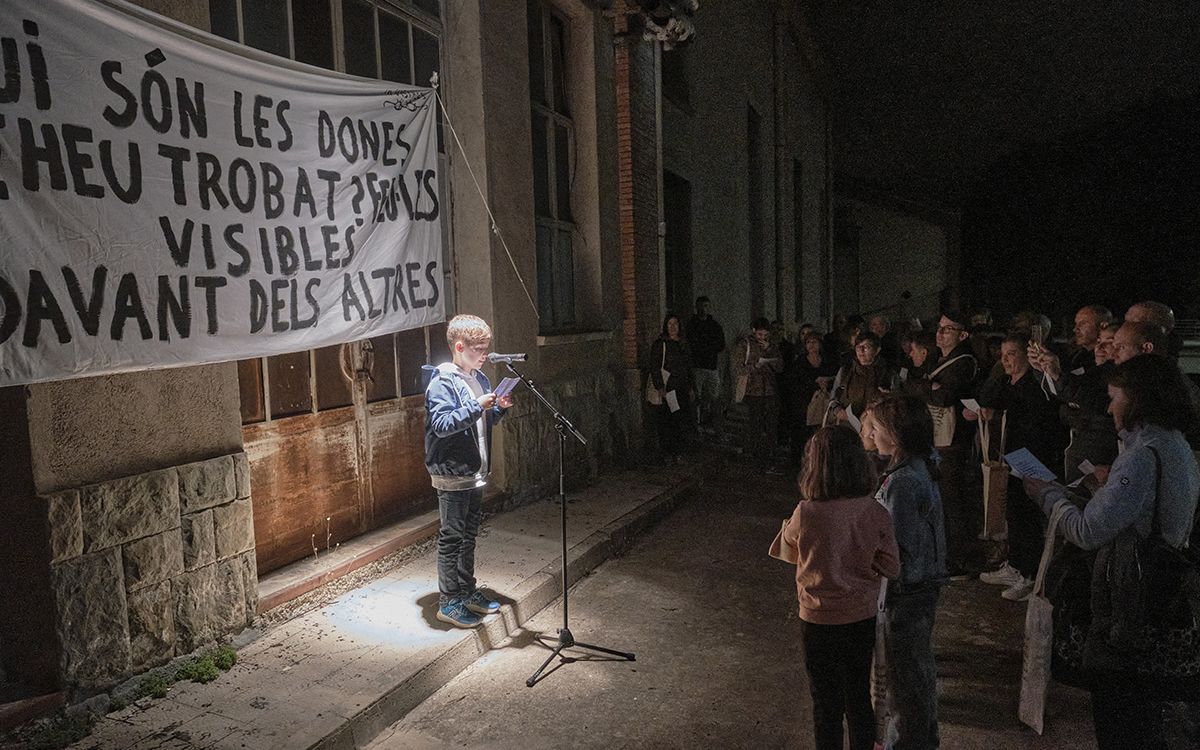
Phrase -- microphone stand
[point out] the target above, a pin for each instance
(565, 638)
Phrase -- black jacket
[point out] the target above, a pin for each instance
(706, 339)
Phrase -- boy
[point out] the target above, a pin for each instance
(460, 411)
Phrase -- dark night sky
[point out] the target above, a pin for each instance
(928, 94)
(1067, 132)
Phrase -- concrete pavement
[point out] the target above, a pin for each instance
(711, 618)
(337, 676)
(713, 622)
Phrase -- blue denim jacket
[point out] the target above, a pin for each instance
(1128, 498)
(912, 496)
(451, 442)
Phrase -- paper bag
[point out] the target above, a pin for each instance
(781, 549)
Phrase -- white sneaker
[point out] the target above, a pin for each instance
(1006, 576)
(1019, 592)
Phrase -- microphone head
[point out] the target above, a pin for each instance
(493, 357)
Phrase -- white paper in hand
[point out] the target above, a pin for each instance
(1088, 468)
(903, 374)
(854, 421)
(1023, 465)
(506, 386)
(672, 401)
(972, 404)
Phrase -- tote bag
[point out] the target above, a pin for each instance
(995, 482)
(653, 395)
(817, 406)
(743, 380)
(1039, 637)
(943, 416)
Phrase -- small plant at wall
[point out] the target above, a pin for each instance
(224, 657)
(61, 731)
(153, 685)
(207, 666)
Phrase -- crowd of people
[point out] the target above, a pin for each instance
(876, 418)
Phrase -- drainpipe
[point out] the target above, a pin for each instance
(779, 152)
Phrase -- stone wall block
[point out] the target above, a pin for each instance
(66, 525)
(241, 471)
(193, 593)
(207, 483)
(250, 583)
(229, 613)
(198, 539)
(153, 559)
(93, 626)
(126, 509)
(233, 525)
(151, 626)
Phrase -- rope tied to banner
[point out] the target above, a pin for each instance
(433, 82)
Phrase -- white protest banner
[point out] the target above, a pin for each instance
(169, 198)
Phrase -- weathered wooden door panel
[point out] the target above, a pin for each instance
(400, 482)
(355, 460)
(303, 470)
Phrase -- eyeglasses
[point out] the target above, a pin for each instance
(948, 329)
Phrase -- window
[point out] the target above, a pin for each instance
(798, 234)
(754, 143)
(675, 76)
(396, 40)
(553, 150)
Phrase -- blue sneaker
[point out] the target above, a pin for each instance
(456, 613)
(481, 605)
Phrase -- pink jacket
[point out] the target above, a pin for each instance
(846, 547)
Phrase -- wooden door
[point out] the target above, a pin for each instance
(335, 439)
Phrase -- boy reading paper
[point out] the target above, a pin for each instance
(460, 412)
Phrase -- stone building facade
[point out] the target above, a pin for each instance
(149, 567)
(143, 508)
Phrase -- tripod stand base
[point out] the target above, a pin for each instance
(566, 640)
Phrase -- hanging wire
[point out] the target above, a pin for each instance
(433, 82)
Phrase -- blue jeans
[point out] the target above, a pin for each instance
(461, 512)
(912, 671)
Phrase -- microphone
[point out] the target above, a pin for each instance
(493, 357)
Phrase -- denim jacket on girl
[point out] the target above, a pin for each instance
(913, 498)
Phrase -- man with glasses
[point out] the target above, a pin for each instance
(951, 380)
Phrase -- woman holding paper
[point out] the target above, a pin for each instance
(671, 368)
(1154, 479)
(1033, 424)
(811, 373)
(903, 431)
(865, 380)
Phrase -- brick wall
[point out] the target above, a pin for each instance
(638, 179)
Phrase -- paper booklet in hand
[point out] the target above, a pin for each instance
(506, 386)
(1023, 465)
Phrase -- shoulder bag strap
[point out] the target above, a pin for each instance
(946, 364)
(1039, 584)
(1155, 529)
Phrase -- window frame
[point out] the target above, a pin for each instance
(414, 18)
(552, 120)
